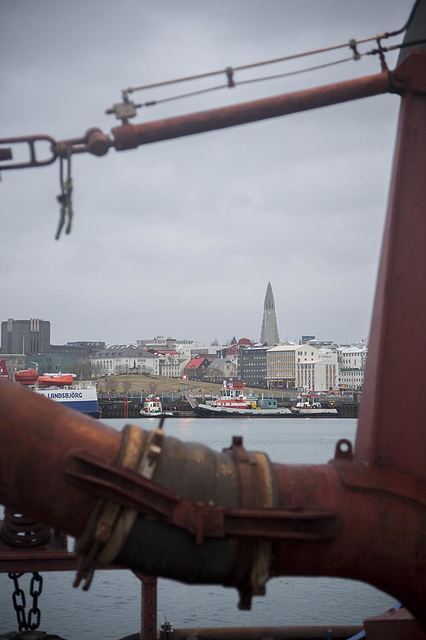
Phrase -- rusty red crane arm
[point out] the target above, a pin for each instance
(128, 136)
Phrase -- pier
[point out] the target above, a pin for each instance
(183, 407)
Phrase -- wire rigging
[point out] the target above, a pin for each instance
(277, 76)
(127, 109)
(353, 44)
(380, 51)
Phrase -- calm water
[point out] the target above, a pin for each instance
(111, 609)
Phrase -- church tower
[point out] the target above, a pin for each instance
(269, 333)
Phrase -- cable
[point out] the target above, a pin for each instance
(294, 73)
(379, 51)
(153, 103)
(252, 65)
(406, 25)
(352, 44)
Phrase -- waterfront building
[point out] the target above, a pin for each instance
(301, 366)
(220, 369)
(232, 349)
(127, 358)
(60, 362)
(252, 369)
(170, 364)
(351, 366)
(352, 356)
(320, 374)
(351, 378)
(269, 334)
(196, 368)
(281, 365)
(84, 346)
(160, 342)
(25, 336)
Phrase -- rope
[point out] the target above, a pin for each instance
(64, 198)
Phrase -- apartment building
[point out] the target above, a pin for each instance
(126, 358)
(302, 366)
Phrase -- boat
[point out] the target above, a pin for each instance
(308, 405)
(153, 408)
(60, 387)
(26, 376)
(232, 402)
(58, 380)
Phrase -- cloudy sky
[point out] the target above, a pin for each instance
(181, 237)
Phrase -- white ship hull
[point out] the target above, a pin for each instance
(227, 412)
(84, 400)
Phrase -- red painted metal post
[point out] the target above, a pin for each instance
(149, 607)
(391, 429)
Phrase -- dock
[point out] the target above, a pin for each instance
(183, 407)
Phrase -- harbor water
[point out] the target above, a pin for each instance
(111, 609)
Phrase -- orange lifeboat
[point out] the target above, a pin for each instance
(26, 376)
(57, 381)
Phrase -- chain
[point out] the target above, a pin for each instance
(19, 602)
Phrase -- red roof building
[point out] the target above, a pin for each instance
(196, 368)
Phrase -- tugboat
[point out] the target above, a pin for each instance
(152, 408)
(308, 406)
(232, 402)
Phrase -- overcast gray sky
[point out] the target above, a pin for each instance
(181, 237)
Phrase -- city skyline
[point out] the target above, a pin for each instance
(23, 336)
(182, 236)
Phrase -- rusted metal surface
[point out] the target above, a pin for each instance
(380, 522)
(94, 141)
(31, 142)
(149, 607)
(50, 556)
(317, 632)
(31, 474)
(115, 483)
(391, 430)
(128, 136)
(393, 625)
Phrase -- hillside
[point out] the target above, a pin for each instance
(136, 384)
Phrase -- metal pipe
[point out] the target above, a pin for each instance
(36, 437)
(380, 515)
(318, 632)
(128, 136)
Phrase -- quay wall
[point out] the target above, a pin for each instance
(127, 407)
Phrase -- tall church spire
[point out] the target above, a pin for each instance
(269, 333)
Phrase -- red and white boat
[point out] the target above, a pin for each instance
(232, 402)
(308, 405)
(59, 387)
(153, 408)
